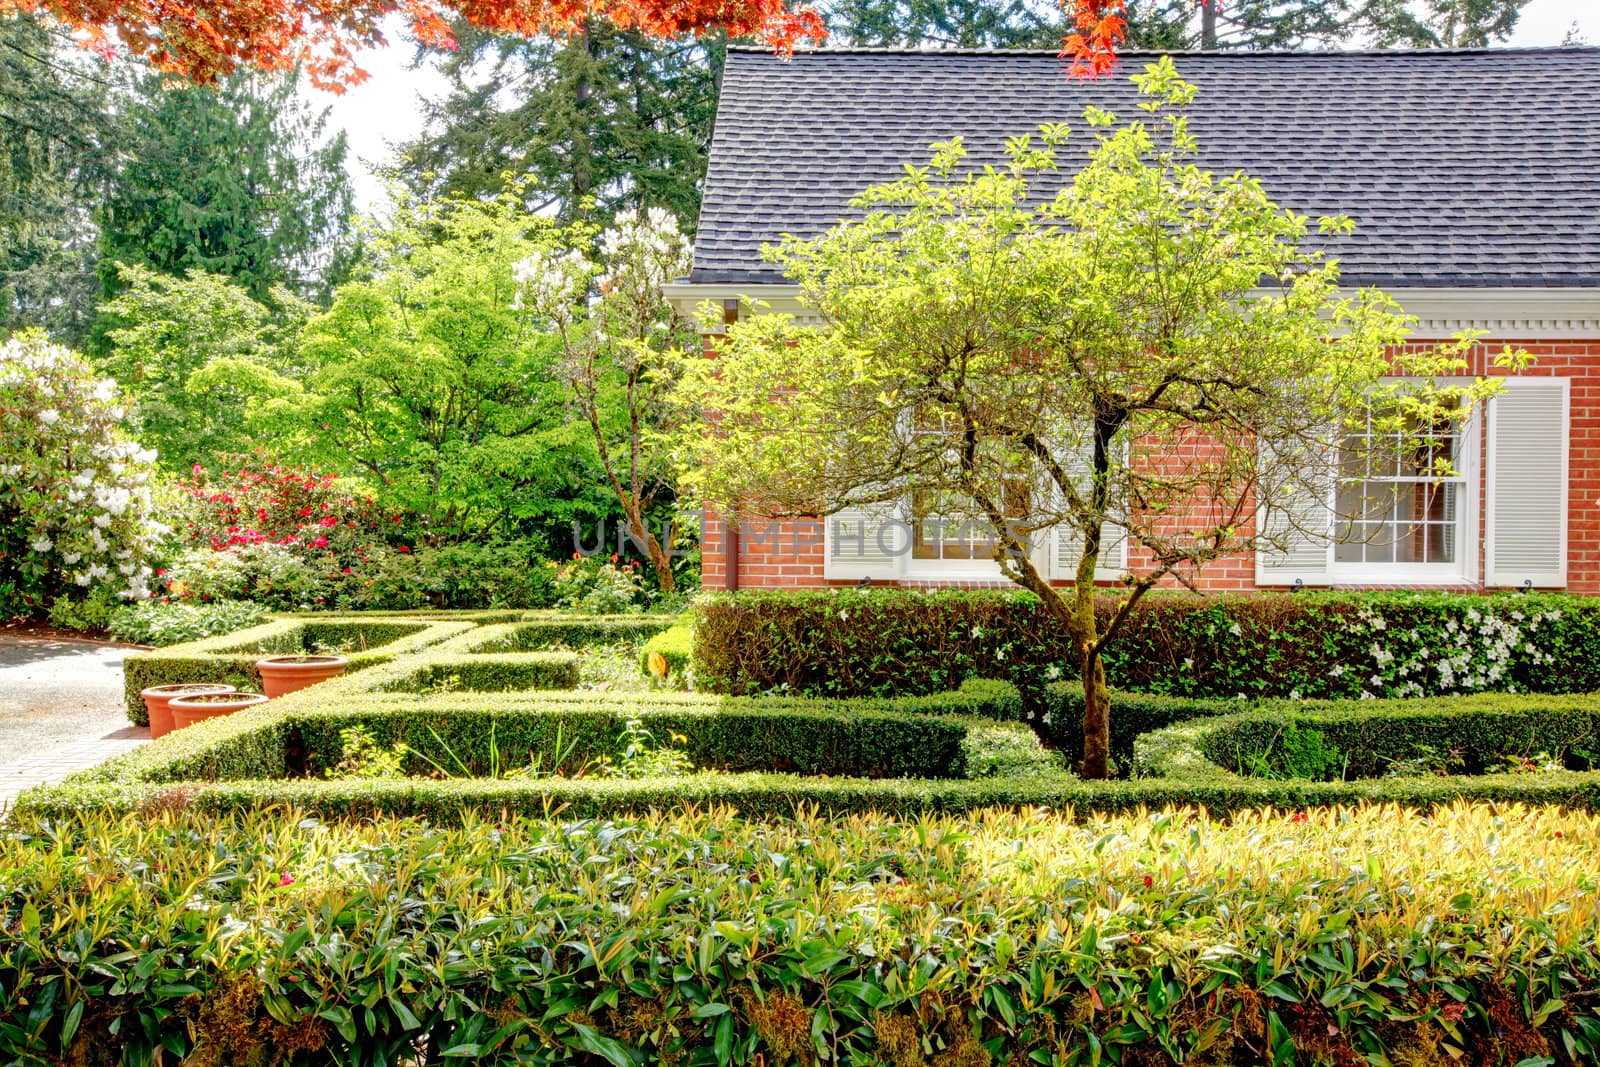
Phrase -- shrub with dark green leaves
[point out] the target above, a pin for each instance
(1309, 644)
(1463, 935)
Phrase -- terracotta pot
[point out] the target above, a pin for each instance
(186, 711)
(281, 675)
(157, 697)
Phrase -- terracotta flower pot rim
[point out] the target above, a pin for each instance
(179, 689)
(291, 663)
(219, 700)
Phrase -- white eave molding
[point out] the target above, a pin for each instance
(1500, 314)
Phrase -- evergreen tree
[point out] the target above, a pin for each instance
(239, 180)
(609, 118)
(55, 117)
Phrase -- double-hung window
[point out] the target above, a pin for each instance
(1402, 501)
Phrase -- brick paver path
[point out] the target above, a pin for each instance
(60, 710)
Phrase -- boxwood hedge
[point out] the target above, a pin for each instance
(231, 658)
(880, 642)
(955, 750)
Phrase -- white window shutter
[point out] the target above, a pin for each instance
(872, 541)
(1525, 520)
(1297, 516)
(1066, 543)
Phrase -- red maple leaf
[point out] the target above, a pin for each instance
(206, 39)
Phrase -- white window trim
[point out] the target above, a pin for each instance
(969, 570)
(1469, 543)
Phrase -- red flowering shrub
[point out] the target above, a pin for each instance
(299, 540)
(283, 506)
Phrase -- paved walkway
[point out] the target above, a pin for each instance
(60, 710)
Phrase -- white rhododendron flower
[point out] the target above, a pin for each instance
(71, 481)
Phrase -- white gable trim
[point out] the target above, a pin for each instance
(1502, 314)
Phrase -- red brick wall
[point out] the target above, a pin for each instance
(789, 554)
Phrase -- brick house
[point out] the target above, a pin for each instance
(1474, 181)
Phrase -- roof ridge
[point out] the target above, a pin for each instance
(1218, 52)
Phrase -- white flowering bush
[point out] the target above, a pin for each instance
(622, 344)
(75, 512)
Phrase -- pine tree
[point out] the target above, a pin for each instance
(608, 117)
(55, 116)
(239, 180)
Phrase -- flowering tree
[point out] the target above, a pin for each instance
(1149, 355)
(74, 491)
(620, 338)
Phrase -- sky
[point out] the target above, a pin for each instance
(385, 109)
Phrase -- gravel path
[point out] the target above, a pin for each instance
(60, 709)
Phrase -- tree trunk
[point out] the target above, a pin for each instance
(1096, 716)
(639, 530)
(1208, 24)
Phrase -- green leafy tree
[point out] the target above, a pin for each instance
(1104, 363)
(620, 342)
(240, 180)
(57, 119)
(425, 379)
(197, 352)
(1334, 23)
(589, 124)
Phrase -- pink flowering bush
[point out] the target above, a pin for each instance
(75, 515)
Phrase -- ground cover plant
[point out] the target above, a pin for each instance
(1349, 935)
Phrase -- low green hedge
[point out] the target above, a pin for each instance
(1366, 935)
(252, 757)
(231, 658)
(548, 630)
(226, 764)
(491, 674)
(881, 642)
(1461, 735)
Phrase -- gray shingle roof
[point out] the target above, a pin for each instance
(1461, 168)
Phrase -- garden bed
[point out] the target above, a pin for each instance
(464, 704)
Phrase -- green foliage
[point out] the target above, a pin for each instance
(75, 512)
(92, 613)
(1297, 752)
(1390, 644)
(58, 118)
(644, 756)
(426, 379)
(707, 938)
(197, 351)
(596, 122)
(675, 647)
(171, 623)
(237, 180)
(590, 585)
(273, 575)
(362, 757)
